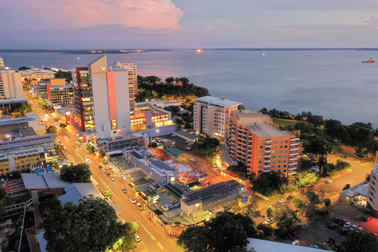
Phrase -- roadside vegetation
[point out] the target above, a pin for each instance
(79, 173)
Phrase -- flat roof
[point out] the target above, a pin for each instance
(218, 101)
(250, 117)
(212, 193)
(360, 189)
(43, 181)
(268, 246)
(12, 101)
(76, 191)
(161, 165)
(267, 130)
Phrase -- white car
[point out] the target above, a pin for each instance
(296, 243)
(137, 238)
(87, 160)
(132, 200)
(329, 181)
(282, 200)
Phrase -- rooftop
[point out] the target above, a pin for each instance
(43, 181)
(212, 193)
(250, 117)
(266, 130)
(269, 246)
(218, 101)
(6, 120)
(76, 191)
(360, 189)
(12, 101)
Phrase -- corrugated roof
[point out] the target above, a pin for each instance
(269, 246)
(43, 181)
(76, 191)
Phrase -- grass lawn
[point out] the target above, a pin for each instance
(284, 122)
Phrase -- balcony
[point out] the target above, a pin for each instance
(268, 151)
(294, 154)
(292, 168)
(294, 139)
(293, 159)
(294, 144)
(295, 149)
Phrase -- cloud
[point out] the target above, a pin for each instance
(147, 14)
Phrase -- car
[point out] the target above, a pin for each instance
(332, 226)
(140, 207)
(365, 218)
(329, 181)
(313, 245)
(137, 238)
(112, 178)
(87, 160)
(103, 169)
(282, 200)
(123, 190)
(296, 243)
(373, 235)
(132, 200)
(360, 229)
(347, 224)
(290, 197)
(351, 228)
(268, 221)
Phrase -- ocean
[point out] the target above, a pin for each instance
(332, 83)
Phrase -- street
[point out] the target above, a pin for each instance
(153, 236)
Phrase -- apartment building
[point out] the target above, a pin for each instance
(2, 65)
(211, 115)
(83, 116)
(10, 84)
(133, 80)
(21, 159)
(56, 91)
(110, 99)
(373, 189)
(254, 141)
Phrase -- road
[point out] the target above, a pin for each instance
(154, 237)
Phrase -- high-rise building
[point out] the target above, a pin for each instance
(133, 81)
(10, 84)
(211, 115)
(110, 98)
(56, 91)
(83, 116)
(254, 141)
(2, 65)
(373, 189)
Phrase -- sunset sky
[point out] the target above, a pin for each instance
(187, 23)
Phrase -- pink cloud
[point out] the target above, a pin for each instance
(148, 14)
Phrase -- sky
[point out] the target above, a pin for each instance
(78, 24)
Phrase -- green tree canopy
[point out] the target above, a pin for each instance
(302, 179)
(268, 183)
(51, 130)
(226, 232)
(359, 242)
(79, 173)
(90, 226)
(286, 221)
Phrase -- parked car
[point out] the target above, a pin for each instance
(290, 197)
(282, 200)
(140, 207)
(137, 238)
(360, 229)
(329, 181)
(268, 221)
(103, 169)
(347, 224)
(296, 243)
(314, 245)
(112, 178)
(365, 218)
(332, 226)
(123, 190)
(132, 200)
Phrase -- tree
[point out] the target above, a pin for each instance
(90, 226)
(265, 231)
(90, 148)
(23, 68)
(303, 179)
(3, 199)
(269, 212)
(206, 146)
(240, 169)
(64, 75)
(341, 165)
(268, 182)
(327, 202)
(359, 242)
(108, 194)
(169, 80)
(51, 130)
(79, 173)
(347, 186)
(225, 232)
(286, 221)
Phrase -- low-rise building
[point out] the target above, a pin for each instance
(117, 145)
(147, 116)
(223, 194)
(21, 159)
(160, 172)
(259, 245)
(37, 74)
(254, 141)
(373, 189)
(56, 91)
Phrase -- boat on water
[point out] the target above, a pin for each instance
(371, 60)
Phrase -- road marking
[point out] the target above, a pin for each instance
(160, 246)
